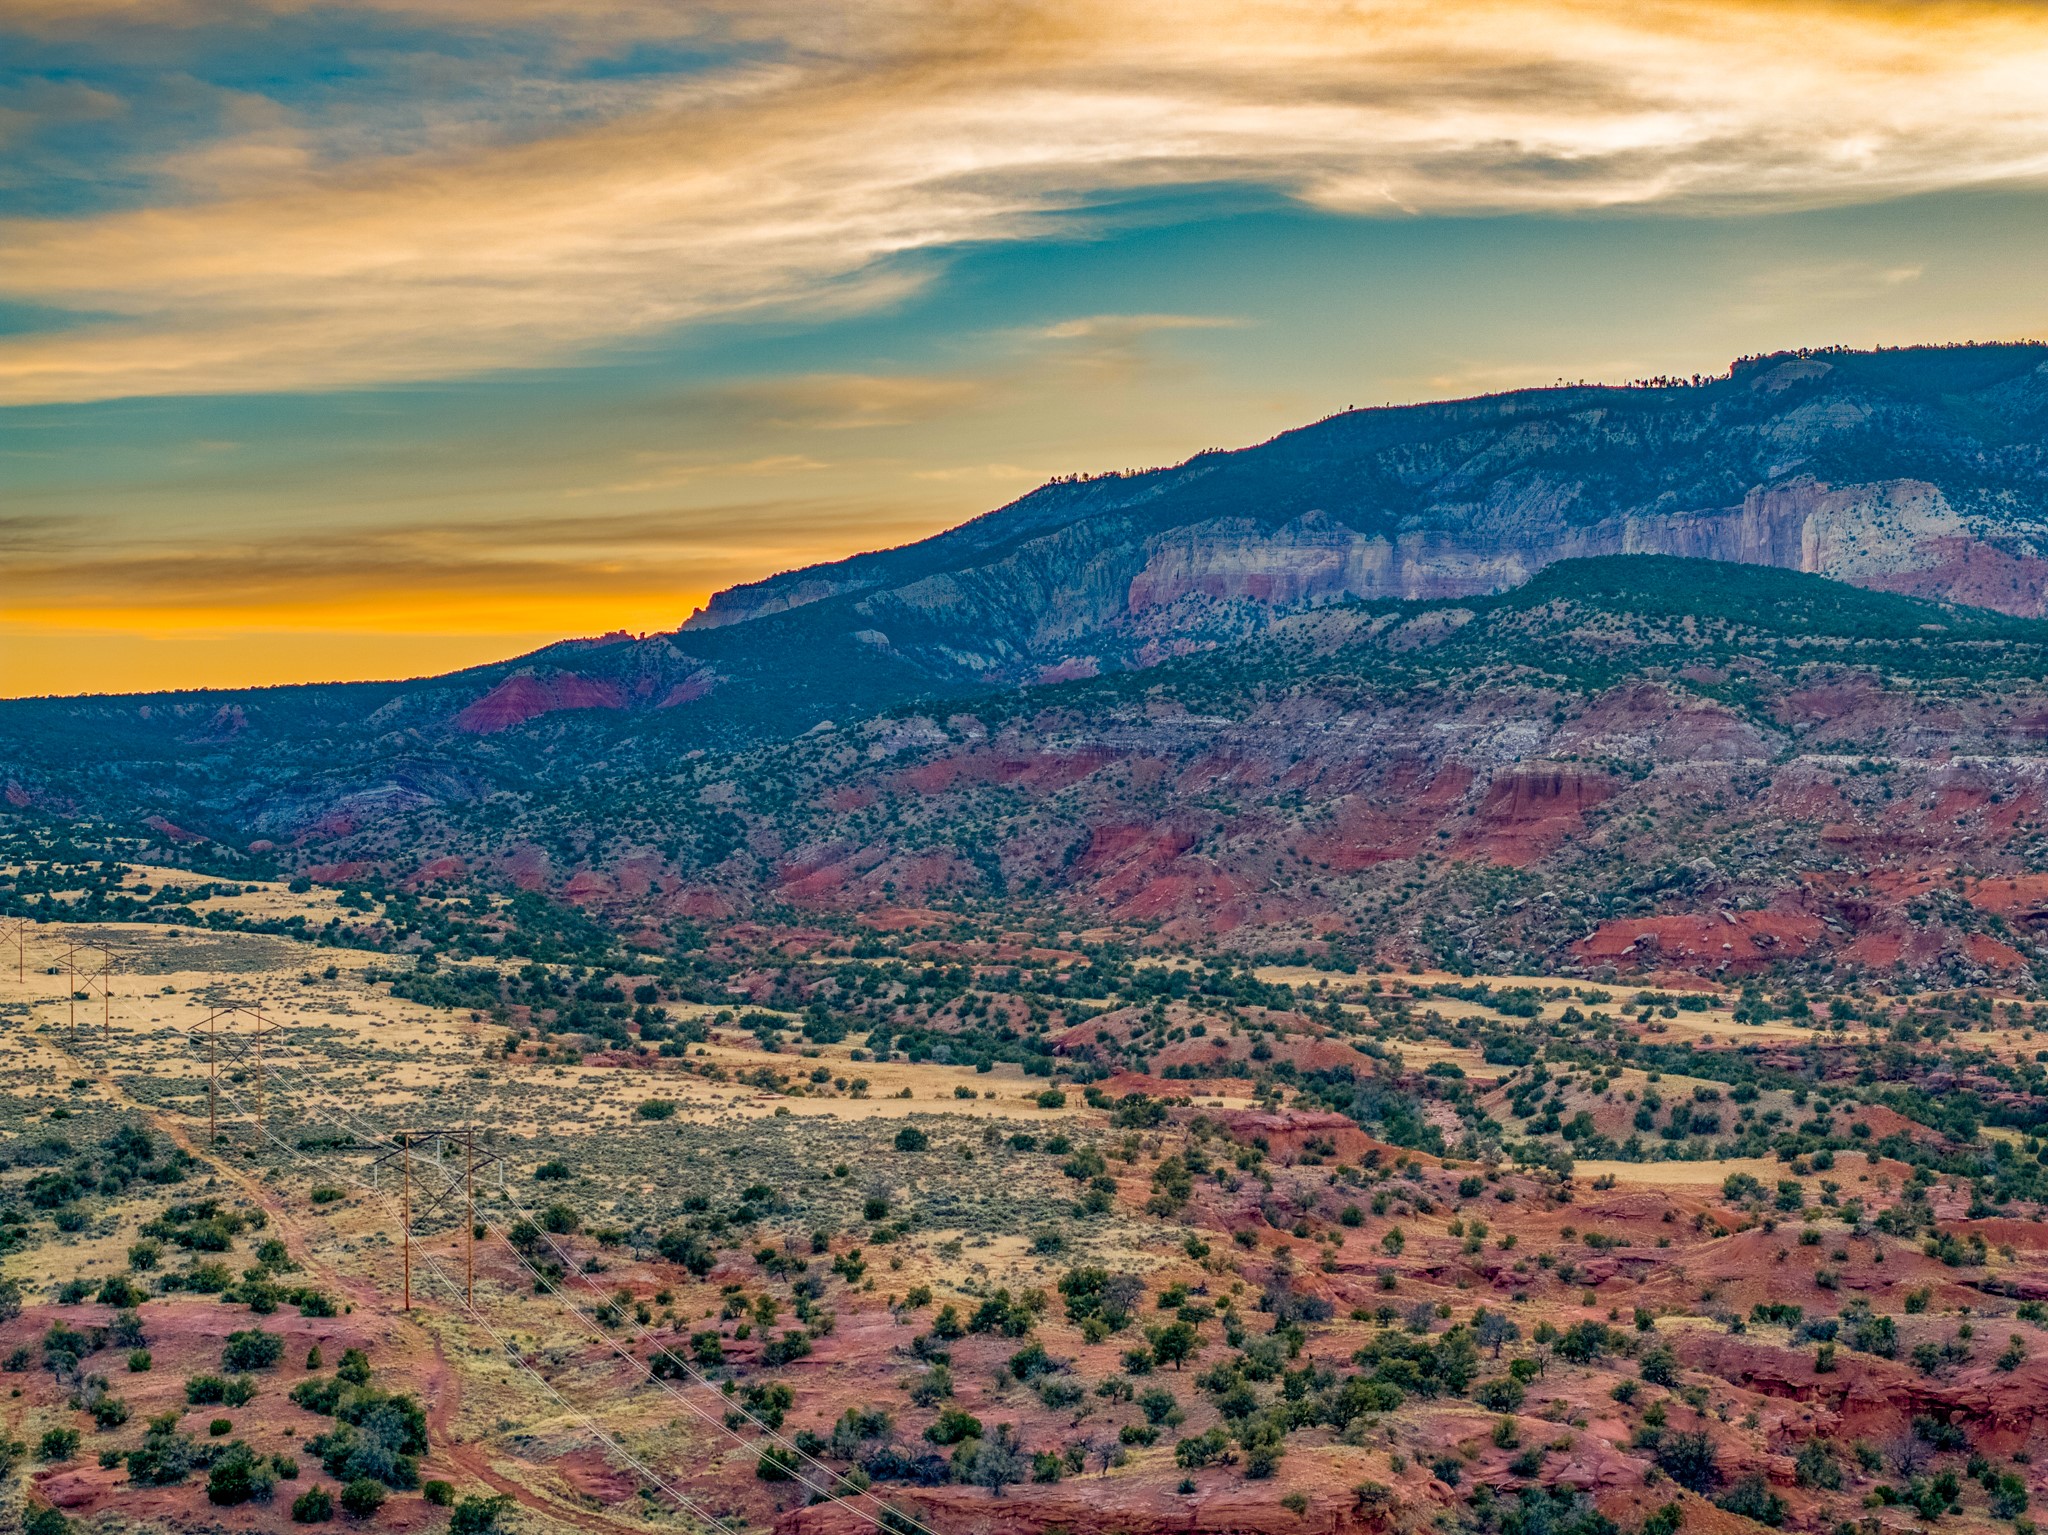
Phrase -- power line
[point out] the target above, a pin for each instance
(511, 1349)
(545, 1284)
(895, 1519)
(467, 1306)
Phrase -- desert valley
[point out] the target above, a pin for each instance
(1473, 968)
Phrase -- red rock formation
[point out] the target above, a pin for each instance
(1531, 808)
(525, 696)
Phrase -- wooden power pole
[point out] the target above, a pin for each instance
(469, 1220)
(405, 1142)
(441, 1139)
(262, 1028)
(212, 1079)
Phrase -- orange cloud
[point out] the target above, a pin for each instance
(806, 182)
(468, 576)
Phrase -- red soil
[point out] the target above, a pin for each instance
(523, 697)
(1740, 940)
(1530, 809)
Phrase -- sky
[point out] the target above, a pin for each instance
(382, 339)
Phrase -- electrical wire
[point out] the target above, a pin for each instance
(475, 1314)
(895, 1519)
(682, 1500)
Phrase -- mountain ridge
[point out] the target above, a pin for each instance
(1922, 470)
(1736, 767)
(1918, 469)
(1053, 704)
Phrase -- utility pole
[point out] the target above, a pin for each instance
(212, 1080)
(215, 1016)
(103, 981)
(440, 1139)
(406, 1185)
(469, 1226)
(263, 1026)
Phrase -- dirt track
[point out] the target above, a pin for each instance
(440, 1381)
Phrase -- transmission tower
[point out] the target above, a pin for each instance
(473, 1157)
(261, 1028)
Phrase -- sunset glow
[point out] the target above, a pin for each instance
(331, 337)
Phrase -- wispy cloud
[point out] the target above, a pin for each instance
(477, 574)
(1796, 287)
(815, 168)
(852, 401)
(992, 474)
(1128, 327)
(667, 471)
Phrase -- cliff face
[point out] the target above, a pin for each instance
(1921, 472)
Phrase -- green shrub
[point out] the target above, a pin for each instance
(362, 1497)
(2008, 1495)
(107, 1411)
(1503, 1394)
(478, 1515)
(953, 1425)
(1753, 1499)
(1159, 1407)
(319, 1395)
(313, 1506)
(1689, 1460)
(1659, 1366)
(1817, 1466)
(252, 1349)
(164, 1456)
(239, 1475)
(1198, 1450)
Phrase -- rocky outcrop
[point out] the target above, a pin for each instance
(1853, 466)
(1087, 590)
(525, 696)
